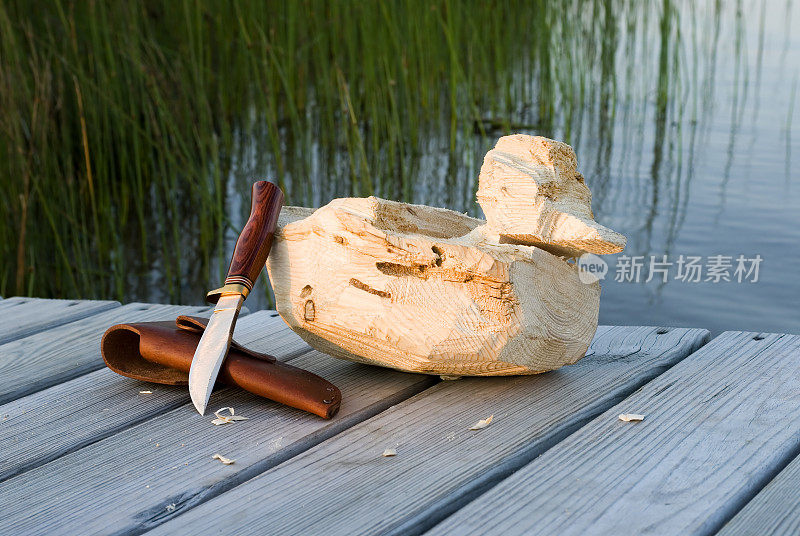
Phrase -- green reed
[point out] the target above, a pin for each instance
(127, 127)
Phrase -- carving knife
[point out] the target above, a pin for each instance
(249, 256)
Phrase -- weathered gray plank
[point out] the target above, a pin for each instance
(775, 510)
(66, 417)
(719, 425)
(25, 316)
(345, 486)
(46, 358)
(154, 470)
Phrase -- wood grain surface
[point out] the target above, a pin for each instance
(24, 316)
(718, 426)
(345, 486)
(145, 475)
(774, 511)
(86, 453)
(66, 417)
(425, 289)
(44, 359)
(532, 193)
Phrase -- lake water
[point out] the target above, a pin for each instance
(687, 134)
(715, 179)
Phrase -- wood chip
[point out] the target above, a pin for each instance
(389, 452)
(630, 417)
(145, 392)
(225, 419)
(483, 423)
(223, 459)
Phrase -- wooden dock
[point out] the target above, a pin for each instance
(86, 452)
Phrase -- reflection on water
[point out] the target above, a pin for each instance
(682, 117)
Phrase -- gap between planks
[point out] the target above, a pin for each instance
(153, 454)
(440, 463)
(69, 416)
(33, 315)
(775, 509)
(718, 427)
(47, 358)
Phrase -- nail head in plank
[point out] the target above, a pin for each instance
(440, 462)
(44, 359)
(45, 425)
(717, 425)
(127, 481)
(25, 316)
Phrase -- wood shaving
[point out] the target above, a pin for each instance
(145, 392)
(389, 452)
(483, 423)
(223, 459)
(225, 419)
(629, 417)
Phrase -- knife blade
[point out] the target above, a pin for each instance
(249, 256)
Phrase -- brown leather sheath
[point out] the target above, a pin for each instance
(162, 352)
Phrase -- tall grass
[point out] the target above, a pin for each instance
(128, 129)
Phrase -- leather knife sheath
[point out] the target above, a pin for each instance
(162, 352)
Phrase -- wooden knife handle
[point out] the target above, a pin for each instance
(255, 241)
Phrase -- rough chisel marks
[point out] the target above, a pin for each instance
(423, 289)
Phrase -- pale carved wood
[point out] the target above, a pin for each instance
(423, 289)
(532, 193)
(430, 290)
